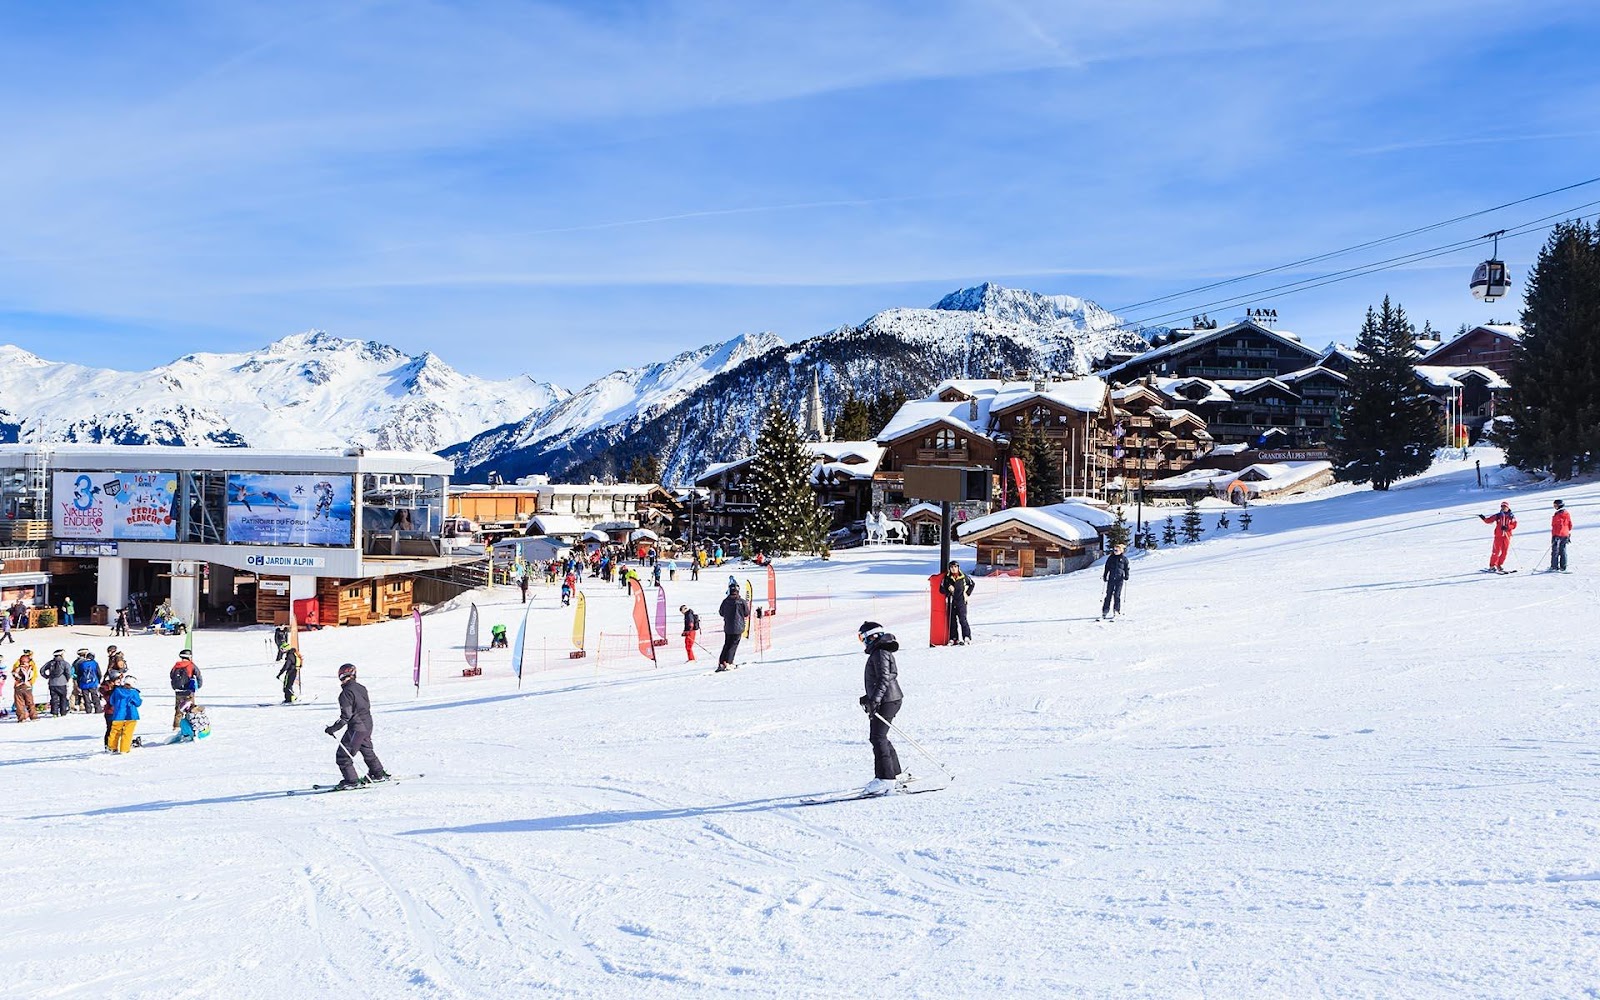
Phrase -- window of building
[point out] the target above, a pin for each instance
(945, 440)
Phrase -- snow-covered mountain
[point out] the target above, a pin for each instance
(714, 414)
(309, 390)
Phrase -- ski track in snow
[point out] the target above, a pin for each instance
(1324, 758)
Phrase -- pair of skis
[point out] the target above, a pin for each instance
(916, 786)
(362, 786)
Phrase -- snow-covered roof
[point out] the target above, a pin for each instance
(718, 468)
(850, 459)
(1086, 394)
(1450, 376)
(1203, 337)
(1069, 522)
(1295, 377)
(921, 508)
(557, 524)
(1175, 387)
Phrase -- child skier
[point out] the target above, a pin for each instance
(289, 672)
(1504, 524)
(125, 701)
(881, 703)
(1560, 534)
(195, 725)
(355, 712)
(691, 628)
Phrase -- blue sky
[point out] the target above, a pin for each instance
(564, 189)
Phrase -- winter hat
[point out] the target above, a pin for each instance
(683, 607)
(1506, 504)
(59, 652)
(125, 680)
(867, 629)
(184, 654)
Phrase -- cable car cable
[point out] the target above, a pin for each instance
(1351, 249)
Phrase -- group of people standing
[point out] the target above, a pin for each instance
(1505, 523)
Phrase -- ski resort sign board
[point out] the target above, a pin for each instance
(132, 506)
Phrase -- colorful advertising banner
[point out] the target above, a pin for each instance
(270, 508)
(132, 506)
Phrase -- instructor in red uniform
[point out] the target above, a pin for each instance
(1560, 534)
(1504, 523)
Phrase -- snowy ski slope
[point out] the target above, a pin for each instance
(1327, 758)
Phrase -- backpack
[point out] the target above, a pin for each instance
(694, 622)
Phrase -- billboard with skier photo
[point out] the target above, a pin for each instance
(269, 508)
(134, 506)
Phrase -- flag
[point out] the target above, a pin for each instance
(641, 622)
(471, 642)
(579, 624)
(661, 614)
(772, 590)
(750, 606)
(1020, 476)
(522, 633)
(416, 660)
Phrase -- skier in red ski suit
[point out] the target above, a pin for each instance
(1504, 523)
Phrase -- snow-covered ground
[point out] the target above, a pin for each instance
(1324, 758)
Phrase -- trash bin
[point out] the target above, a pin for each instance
(99, 615)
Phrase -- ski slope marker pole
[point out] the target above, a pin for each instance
(907, 737)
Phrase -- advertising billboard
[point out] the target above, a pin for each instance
(269, 508)
(134, 506)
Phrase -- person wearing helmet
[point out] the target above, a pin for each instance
(1504, 523)
(881, 702)
(355, 718)
(186, 682)
(1560, 534)
(125, 702)
(22, 687)
(691, 628)
(735, 611)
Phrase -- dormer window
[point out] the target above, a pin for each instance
(945, 440)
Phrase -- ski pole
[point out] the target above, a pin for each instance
(342, 750)
(905, 736)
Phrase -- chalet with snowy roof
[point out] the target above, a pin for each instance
(970, 422)
(1467, 395)
(1037, 541)
(1490, 346)
(1248, 381)
(1152, 434)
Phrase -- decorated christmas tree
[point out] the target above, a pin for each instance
(787, 516)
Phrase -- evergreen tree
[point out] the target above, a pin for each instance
(787, 516)
(1117, 534)
(1169, 532)
(643, 469)
(1245, 519)
(882, 409)
(1387, 429)
(855, 420)
(1192, 528)
(1555, 376)
(1044, 474)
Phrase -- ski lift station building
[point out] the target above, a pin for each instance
(340, 535)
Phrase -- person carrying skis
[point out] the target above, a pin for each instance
(289, 672)
(355, 712)
(88, 676)
(1115, 575)
(691, 628)
(1504, 524)
(881, 703)
(735, 611)
(956, 587)
(22, 687)
(58, 674)
(185, 677)
(1560, 534)
(125, 702)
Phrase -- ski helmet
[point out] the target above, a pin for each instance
(347, 672)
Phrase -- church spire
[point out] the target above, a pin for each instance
(814, 429)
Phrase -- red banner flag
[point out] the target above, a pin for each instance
(1020, 477)
(641, 621)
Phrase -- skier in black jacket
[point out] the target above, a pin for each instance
(355, 711)
(881, 703)
(290, 671)
(691, 628)
(1115, 574)
(955, 587)
(735, 611)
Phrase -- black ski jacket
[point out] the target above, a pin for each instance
(691, 622)
(956, 589)
(882, 679)
(355, 708)
(735, 610)
(1116, 569)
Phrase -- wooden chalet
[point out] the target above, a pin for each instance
(1491, 346)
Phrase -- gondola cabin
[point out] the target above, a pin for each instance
(1490, 281)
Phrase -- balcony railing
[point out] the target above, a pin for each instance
(943, 454)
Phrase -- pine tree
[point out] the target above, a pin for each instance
(1555, 377)
(1044, 477)
(643, 469)
(1387, 429)
(1245, 519)
(787, 516)
(1117, 534)
(1192, 528)
(855, 420)
(882, 409)
(1169, 532)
